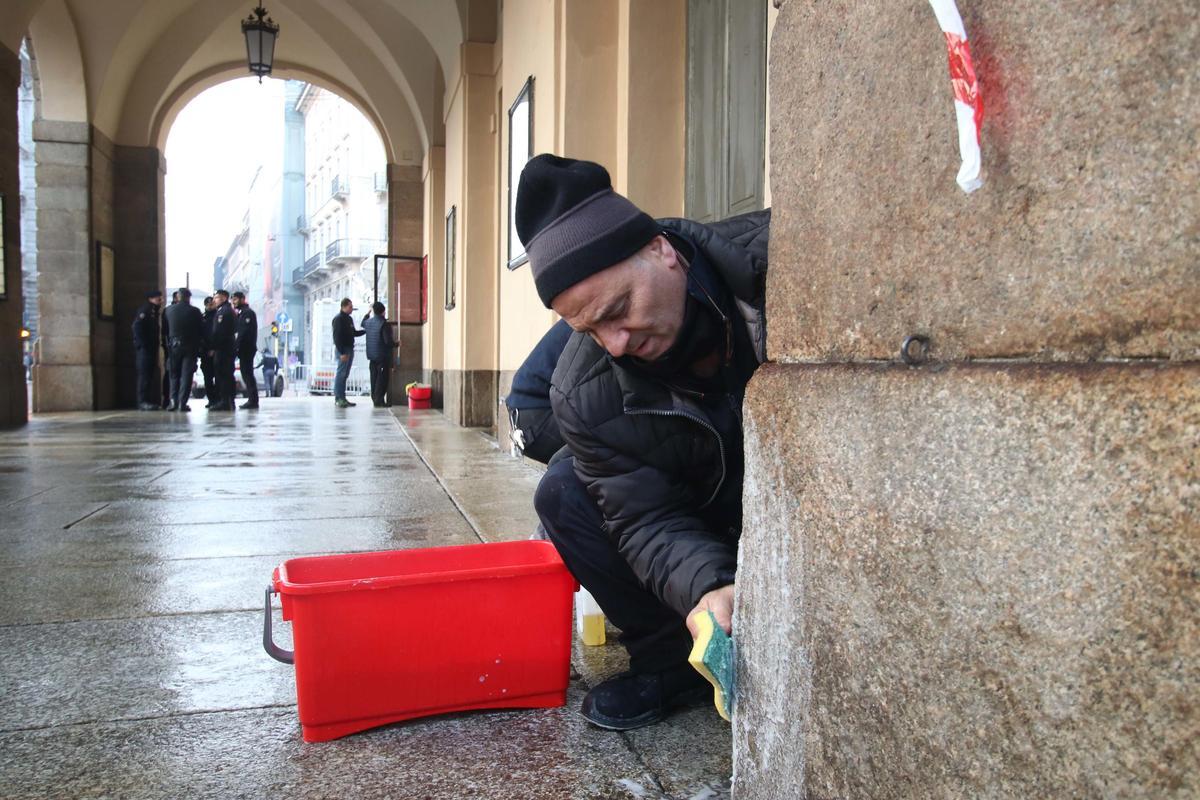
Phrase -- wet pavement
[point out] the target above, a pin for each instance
(135, 548)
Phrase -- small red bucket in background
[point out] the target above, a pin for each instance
(384, 637)
(420, 396)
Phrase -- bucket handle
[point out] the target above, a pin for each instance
(273, 650)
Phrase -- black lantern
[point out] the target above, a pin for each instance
(260, 34)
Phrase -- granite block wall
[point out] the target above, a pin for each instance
(974, 577)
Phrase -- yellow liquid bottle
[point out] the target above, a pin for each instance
(589, 619)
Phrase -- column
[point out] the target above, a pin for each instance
(66, 301)
(975, 575)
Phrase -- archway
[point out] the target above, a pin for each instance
(292, 182)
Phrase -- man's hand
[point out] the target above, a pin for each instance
(343, 357)
(720, 603)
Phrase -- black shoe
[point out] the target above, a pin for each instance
(186, 408)
(147, 407)
(636, 699)
(249, 405)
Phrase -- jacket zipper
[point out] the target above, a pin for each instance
(694, 418)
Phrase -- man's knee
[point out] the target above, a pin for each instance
(555, 486)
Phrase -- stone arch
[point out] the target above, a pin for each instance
(374, 56)
(190, 89)
(59, 74)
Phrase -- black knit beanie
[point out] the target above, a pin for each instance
(573, 224)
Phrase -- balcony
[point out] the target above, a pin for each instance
(341, 251)
(302, 225)
(315, 266)
(339, 187)
(381, 182)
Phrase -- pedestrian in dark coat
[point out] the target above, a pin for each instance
(380, 345)
(669, 327)
(206, 359)
(247, 346)
(531, 419)
(270, 368)
(146, 342)
(344, 334)
(186, 325)
(223, 341)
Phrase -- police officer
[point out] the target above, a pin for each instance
(146, 344)
(165, 337)
(224, 348)
(206, 361)
(186, 326)
(247, 346)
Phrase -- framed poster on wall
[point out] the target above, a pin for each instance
(520, 150)
(451, 238)
(3, 254)
(104, 281)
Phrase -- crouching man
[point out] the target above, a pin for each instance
(669, 325)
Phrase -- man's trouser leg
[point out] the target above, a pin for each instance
(175, 371)
(187, 371)
(225, 385)
(654, 634)
(343, 373)
(210, 379)
(247, 362)
(269, 382)
(378, 387)
(166, 394)
(385, 381)
(144, 362)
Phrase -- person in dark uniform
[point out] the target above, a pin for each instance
(206, 361)
(224, 348)
(381, 344)
(146, 342)
(247, 346)
(186, 324)
(270, 368)
(164, 336)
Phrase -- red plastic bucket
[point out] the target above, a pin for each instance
(384, 637)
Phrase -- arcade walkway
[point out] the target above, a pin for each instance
(134, 549)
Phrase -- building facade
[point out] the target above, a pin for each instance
(345, 219)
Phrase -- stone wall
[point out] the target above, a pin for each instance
(63, 375)
(107, 380)
(13, 400)
(140, 249)
(976, 577)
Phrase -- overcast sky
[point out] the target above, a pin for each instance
(213, 150)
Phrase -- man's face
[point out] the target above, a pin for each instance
(237, 302)
(157, 300)
(221, 300)
(633, 308)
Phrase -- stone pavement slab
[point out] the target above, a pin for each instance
(135, 549)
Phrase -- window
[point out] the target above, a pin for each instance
(451, 230)
(726, 108)
(520, 150)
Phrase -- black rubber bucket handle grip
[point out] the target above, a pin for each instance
(273, 650)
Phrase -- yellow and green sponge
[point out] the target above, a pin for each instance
(712, 656)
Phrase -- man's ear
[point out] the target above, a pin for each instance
(664, 253)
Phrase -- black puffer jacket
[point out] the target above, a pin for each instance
(650, 456)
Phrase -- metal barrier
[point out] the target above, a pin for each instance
(309, 379)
